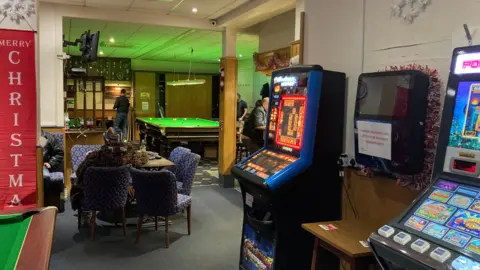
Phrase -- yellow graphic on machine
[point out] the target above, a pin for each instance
(253, 254)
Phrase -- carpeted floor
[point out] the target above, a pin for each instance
(213, 245)
(207, 173)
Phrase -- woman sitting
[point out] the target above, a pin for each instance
(113, 154)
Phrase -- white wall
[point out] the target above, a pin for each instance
(277, 32)
(362, 36)
(245, 87)
(333, 39)
(50, 68)
(250, 82)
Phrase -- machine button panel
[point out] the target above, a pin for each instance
(440, 254)
(402, 238)
(420, 246)
(386, 231)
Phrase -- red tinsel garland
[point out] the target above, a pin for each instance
(432, 128)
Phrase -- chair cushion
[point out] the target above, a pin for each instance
(56, 183)
(56, 177)
(183, 201)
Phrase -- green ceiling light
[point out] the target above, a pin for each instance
(187, 82)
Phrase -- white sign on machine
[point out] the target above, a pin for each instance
(375, 139)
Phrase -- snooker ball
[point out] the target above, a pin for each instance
(174, 119)
(151, 118)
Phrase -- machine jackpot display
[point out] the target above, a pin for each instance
(293, 179)
(441, 229)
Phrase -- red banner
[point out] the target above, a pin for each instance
(18, 121)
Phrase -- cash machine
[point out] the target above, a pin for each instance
(441, 229)
(293, 179)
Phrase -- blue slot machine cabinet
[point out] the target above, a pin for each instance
(293, 179)
(441, 229)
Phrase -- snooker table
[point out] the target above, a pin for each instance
(26, 238)
(166, 131)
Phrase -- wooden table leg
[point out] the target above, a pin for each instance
(360, 264)
(315, 254)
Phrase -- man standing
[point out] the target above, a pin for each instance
(255, 127)
(121, 105)
(242, 108)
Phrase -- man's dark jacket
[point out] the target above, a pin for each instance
(53, 153)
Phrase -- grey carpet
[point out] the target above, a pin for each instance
(214, 243)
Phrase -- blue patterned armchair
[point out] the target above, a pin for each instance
(79, 153)
(156, 195)
(106, 188)
(176, 157)
(186, 171)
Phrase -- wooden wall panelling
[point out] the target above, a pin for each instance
(145, 91)
(190, 100)
(374, 198)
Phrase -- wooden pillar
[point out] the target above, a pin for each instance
(228, 109)
(40, 187)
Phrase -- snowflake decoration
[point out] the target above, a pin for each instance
(408, 10)
(17, 10)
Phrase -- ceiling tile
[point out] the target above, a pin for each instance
(66, 2)
(153, 6)
(151, 42)
(111, 4)
(207, 8)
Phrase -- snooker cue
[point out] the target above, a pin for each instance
(18, 218)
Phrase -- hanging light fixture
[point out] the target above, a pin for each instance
(194, 81)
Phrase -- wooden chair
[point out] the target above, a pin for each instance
(106, 188)
(156, 194)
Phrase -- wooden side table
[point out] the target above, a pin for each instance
(344, 241)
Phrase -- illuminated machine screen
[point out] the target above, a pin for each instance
(462, 155)
(266, 163)
(450, 213)
(287, 112)
(290, 122)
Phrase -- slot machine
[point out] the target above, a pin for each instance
(441, 229)
(294, 178)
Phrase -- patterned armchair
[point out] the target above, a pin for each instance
(156, 195)
(58, 135)
(186, 172)
(106, 189)
(176, 157)
(79, 153)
